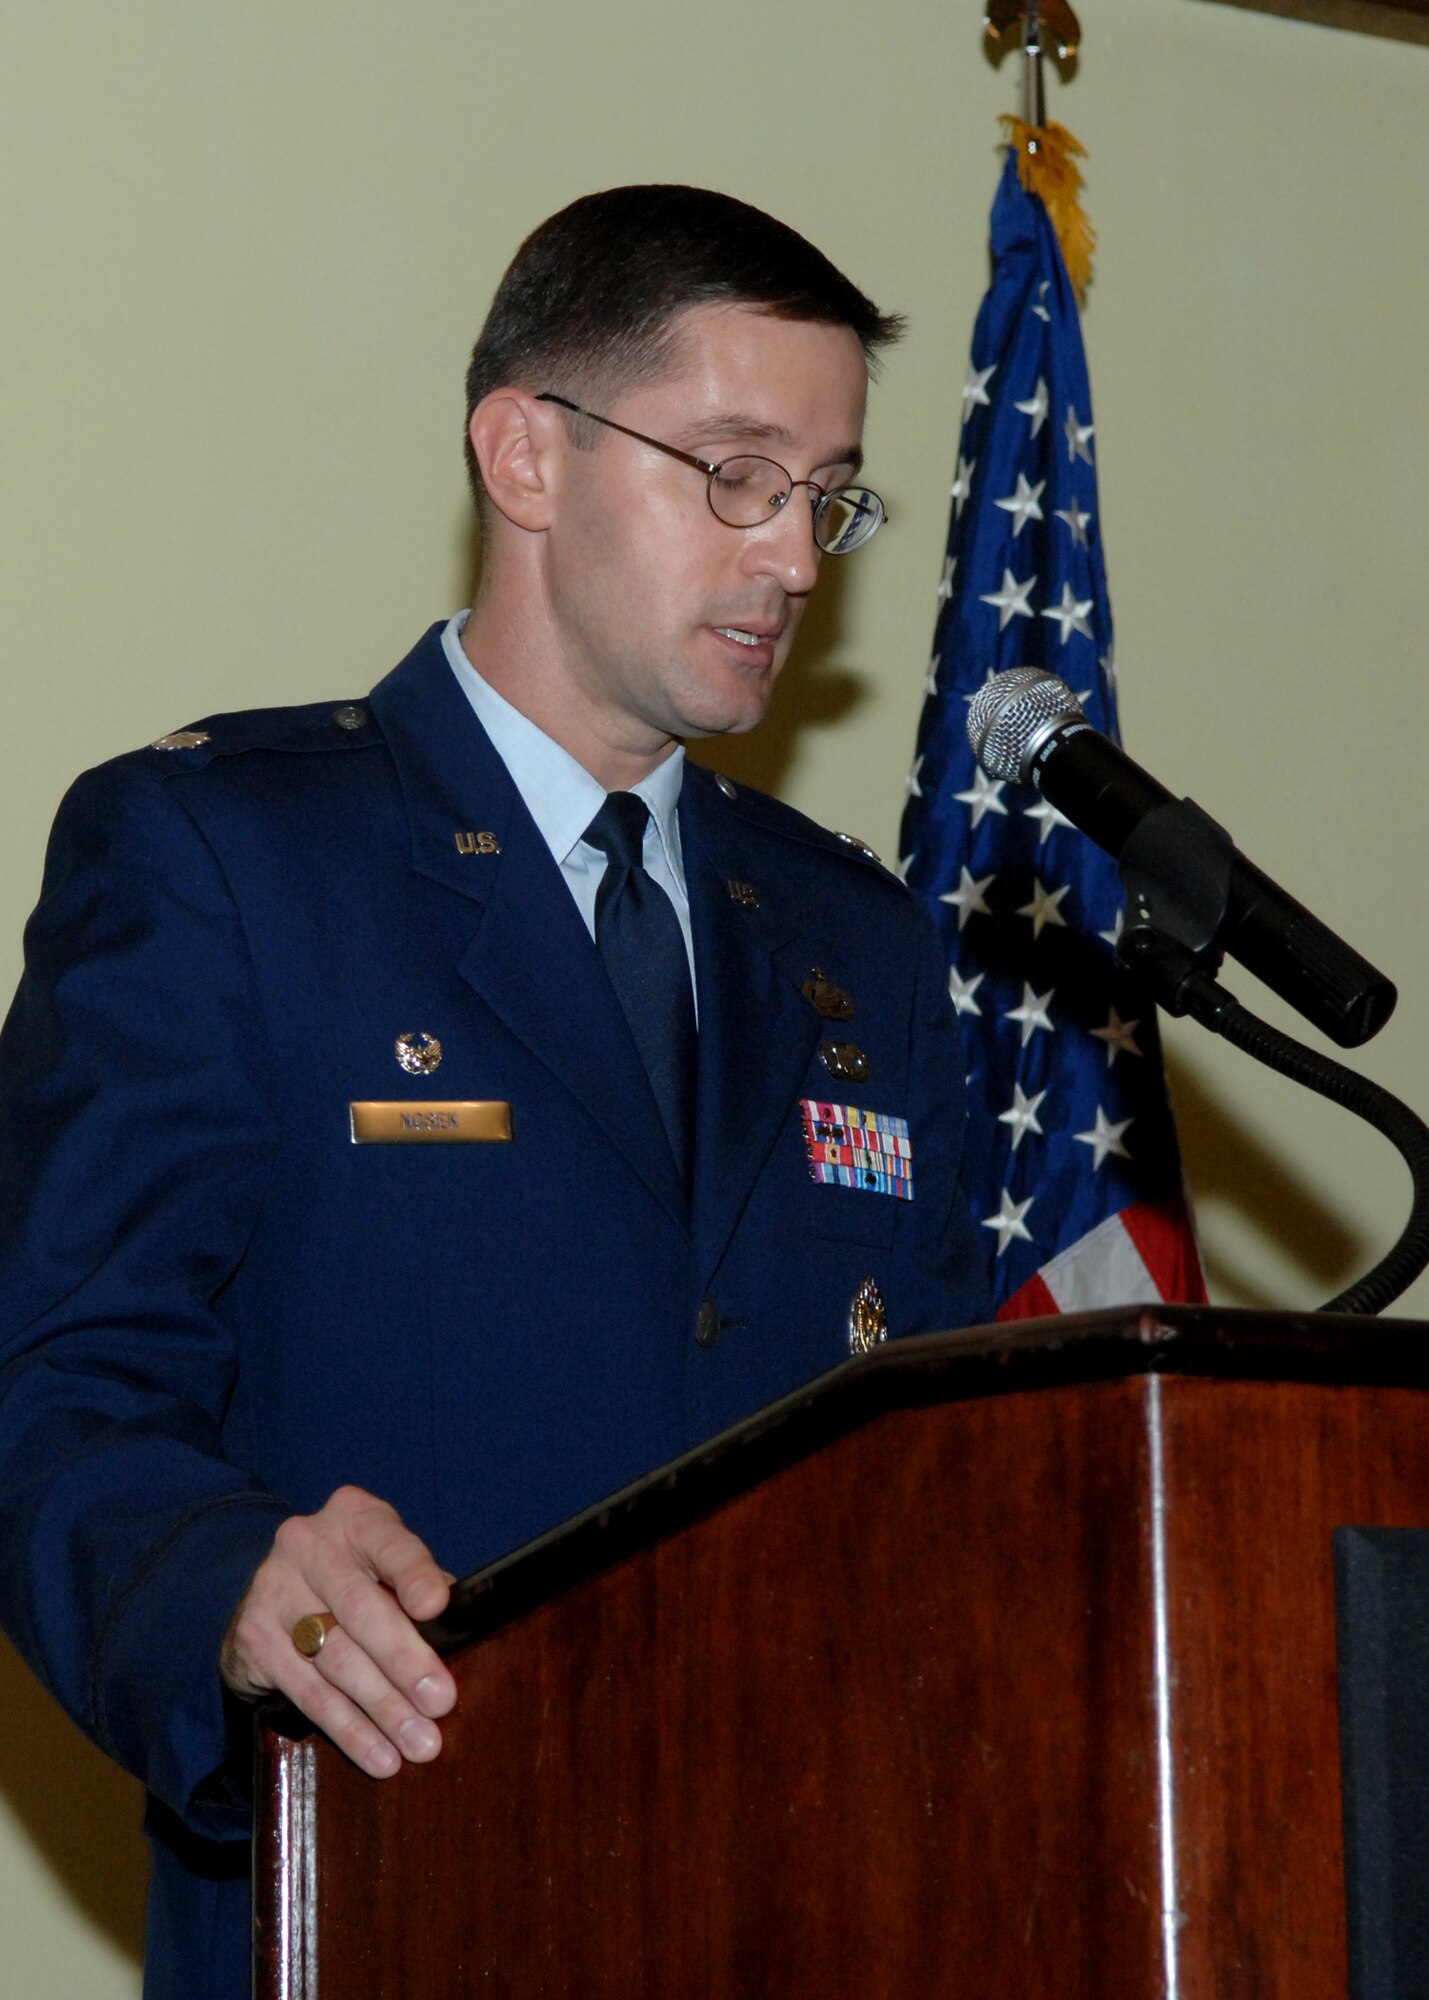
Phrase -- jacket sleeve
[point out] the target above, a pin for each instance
(135, 1145)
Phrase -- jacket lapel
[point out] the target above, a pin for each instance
(530, 957)
(757, 1033)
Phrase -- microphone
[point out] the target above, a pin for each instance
(1183, 875)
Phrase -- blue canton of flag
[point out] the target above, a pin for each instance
(1072, 1167)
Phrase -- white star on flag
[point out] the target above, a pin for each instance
(991, 675)
(1011, 600)
(1032, 1014)
(1047, 817)
(1108, 665)
(1119, 1035)
(1105, 1138)
(967, 898)
(1078, 436)
(985, 796)
(1070, 615)
(930, 679)
(1036, 406)
(1008, 1221)
(962, 486)
(945, 581)
(1043, 909)
(1078, 522)
(903, 864)
(1024, 505)
(975, 388)
(1041, 306)
(1023, 1115)
(910, 783)
(1113, 936)
(961, 991)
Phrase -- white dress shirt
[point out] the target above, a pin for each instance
(563, 798)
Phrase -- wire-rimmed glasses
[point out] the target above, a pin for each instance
(746, 491)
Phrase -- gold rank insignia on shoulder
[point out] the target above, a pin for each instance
(182, 739)
(477, 843)
(419, 1055)
(745, 893)
(825, 998)
(867, 1319)
(844, 1059)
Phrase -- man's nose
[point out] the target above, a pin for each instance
(784, 547)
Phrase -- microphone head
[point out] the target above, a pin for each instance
(1012, 715)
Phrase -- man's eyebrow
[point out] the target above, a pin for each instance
(738, 429)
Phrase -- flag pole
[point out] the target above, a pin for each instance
(1034, 99)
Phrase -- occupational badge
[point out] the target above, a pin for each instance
(825, 998)
(845, 1060)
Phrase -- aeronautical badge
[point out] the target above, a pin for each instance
(857, 1149)
(867, 1319)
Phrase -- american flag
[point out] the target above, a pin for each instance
(1073, 1167)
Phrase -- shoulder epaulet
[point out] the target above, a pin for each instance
(318, 725)
(771, 814)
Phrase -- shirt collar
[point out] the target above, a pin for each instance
(559, 793)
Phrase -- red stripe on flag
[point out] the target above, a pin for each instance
(1162, 1233)
(1032, 1301)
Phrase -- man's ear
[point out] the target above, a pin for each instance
(516, 446)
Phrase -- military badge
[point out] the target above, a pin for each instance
(858, 1149)
(867, 1319)
(419, 1055)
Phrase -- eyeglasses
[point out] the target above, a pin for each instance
(744, 492)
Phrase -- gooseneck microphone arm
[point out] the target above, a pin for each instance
(1160, 962)
(1191, 897)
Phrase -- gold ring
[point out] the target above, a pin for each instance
(310, 1632)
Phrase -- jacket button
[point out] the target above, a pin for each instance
(707, 1323)
(350, 718)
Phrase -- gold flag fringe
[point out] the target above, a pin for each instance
(1047, 158)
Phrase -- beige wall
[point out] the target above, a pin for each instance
(246, 250)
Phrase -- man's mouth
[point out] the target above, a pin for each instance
(744, 635)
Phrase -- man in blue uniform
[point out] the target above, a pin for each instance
(423, 1114)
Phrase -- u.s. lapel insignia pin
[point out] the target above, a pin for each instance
(477, 843)
(867, 1319)
(419, 1055)
(743, 893)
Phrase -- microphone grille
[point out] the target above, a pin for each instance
(1011, 714)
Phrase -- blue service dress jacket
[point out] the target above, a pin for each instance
(215, 1307)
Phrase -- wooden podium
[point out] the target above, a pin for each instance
(999, 1664)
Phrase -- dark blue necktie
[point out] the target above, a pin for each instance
(640, 941)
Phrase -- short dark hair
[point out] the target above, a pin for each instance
(591, 296)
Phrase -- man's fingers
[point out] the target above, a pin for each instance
(345, 1666)
(354, 1733)
(375, 1684)
(371, 1619)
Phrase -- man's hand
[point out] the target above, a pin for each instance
(375, 1684)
